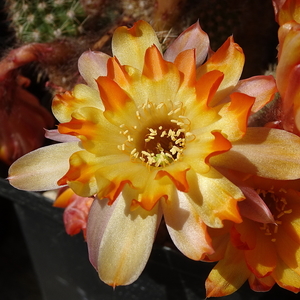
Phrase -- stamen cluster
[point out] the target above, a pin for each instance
(278, 207)
(159, 141)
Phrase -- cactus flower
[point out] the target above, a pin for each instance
(148, 133)
(264, 253)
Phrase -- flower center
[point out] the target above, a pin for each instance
(160, 137)
(278, 206)
(162, 145)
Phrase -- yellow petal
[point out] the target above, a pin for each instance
(215, 196)
(40, 170)
(126, 241)
(206, 145)
(261, 260)
(159, 83)
(133, 41)
(64, 105)
(154, 189)
(177, 173)
(234, 116)
(228, 275)
(289, 251)
(187, 230)
(266, 152)
(229, 59)
(286, 277)
(83, 175)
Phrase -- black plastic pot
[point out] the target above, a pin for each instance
(64, 272)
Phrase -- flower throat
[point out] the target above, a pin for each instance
(161, 137)
(278, 206)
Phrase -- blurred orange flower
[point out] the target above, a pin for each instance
(22, 119)
(76, 210)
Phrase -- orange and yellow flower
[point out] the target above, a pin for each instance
(148, 133)
(262, 252)
(288, 69)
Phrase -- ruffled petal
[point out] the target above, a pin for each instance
(203, 148)
(135, 40)
(154, 189)
(215, 196)
(228, 275)
(177, 173)
(83, 175)
(64, 105)
(91, 65)
(89, 125)
(235, 116)
(192, 38)
(185, 226)
(255, 154)
(229, 59)
(120, 240)
(36, 171)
